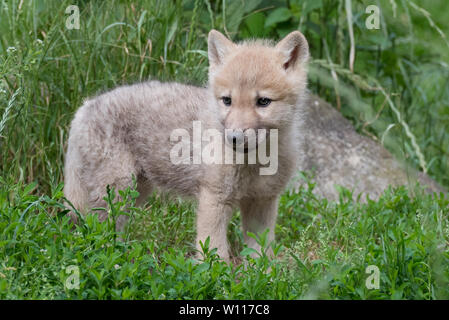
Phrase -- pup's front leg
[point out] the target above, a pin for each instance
(212, 221)
(258, 214)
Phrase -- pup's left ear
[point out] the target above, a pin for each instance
(295, 50)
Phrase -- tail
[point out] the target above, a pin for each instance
(73, 186)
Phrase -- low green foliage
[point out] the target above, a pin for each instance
(322, 250)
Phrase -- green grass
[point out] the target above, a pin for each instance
(322, 251)
(323, 248)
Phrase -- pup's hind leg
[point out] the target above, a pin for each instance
(258, 214)
(116, 172)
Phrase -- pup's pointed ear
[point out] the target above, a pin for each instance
(294, 49)
(218, 47)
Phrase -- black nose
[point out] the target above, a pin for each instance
(235, 137)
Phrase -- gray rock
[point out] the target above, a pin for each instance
(337, 155)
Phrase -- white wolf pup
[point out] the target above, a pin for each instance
(128, 132)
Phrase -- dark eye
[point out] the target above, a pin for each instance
(263, 102)
(226, 100)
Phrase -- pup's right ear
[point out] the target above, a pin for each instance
(218, 47)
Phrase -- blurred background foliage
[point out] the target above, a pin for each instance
(396, 90)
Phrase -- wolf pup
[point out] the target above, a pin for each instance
(128, 132)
